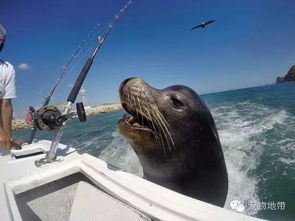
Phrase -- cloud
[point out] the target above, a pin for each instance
(23, 66)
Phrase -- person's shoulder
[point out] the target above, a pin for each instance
(8, 64)
(9, 67)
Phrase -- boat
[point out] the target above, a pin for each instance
(82, 187)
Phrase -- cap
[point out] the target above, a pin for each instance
(2, 32)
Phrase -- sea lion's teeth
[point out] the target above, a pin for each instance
(136, 124)
(131, 120)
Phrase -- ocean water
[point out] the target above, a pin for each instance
(257, 131)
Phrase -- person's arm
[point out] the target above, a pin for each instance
(5, 123)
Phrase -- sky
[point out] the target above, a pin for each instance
(250, 44)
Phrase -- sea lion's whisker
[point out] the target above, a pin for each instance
(163, 123)
(152, 122)
(135, 105)
(166, 125)
(162, 131)
(159, 124)
(128, 98)
(140, 108)
(163, 146)
(158, 129)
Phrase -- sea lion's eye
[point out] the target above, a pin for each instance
(176, 103)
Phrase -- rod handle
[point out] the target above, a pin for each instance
(76, 88)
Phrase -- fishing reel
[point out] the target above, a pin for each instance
(50, 118)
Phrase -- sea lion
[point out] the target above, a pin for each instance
(175, 138)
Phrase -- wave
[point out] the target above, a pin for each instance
(242, 128)
(120, 153)
(248, 132)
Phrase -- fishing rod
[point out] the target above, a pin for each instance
(50, 118)
(66, 67)
(88, 64)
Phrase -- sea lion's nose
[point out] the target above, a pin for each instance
(126, 80)
(124, 83)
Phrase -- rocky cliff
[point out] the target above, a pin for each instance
(290, 76)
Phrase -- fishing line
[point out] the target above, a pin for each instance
(67, 66)
(88, 44)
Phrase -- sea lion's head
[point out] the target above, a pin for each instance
(165, 121)
(172, 132)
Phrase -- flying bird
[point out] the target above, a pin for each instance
(203, 24)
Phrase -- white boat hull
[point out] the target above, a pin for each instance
(23, 184)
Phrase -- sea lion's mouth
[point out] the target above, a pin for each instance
(147, 125)
(137, 122)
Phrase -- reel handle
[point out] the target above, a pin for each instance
(81, 111)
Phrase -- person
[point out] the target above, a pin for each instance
(7, 92)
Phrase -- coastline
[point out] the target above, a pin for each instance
(20, 124)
